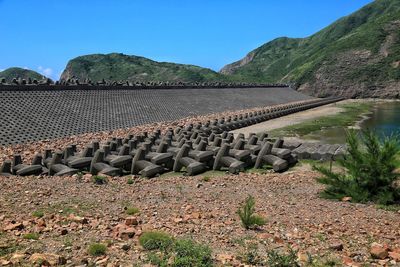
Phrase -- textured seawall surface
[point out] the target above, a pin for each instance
(37, 115)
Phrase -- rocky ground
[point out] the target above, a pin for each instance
(77, 212)
(53, 220)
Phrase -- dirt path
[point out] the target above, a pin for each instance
(292, 119)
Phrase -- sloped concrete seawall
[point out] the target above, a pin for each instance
(46, 114)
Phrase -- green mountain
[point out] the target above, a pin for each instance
(357, 56)
(120, 67)
(12, 73)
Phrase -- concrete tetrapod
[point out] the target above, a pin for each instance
(56, 167)
(222, 159)
(23, 169)
(97, 166)
(264, 156)
(182, 159)
(5, 169)
(144, 168)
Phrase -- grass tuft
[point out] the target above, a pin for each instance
(100, 180)
(132, 210)
(31, 236)
(38, 214)
(97, 249)
(155, 240)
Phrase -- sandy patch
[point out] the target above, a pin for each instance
(292, 119)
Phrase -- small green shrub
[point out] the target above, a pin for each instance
(206, 178)
(8, 249)
(158, 259)
(369, 175)
(130, 181)
(317, 262)
(155, 240)
(38, 214)
(79, 175)
(277, 259)
(97, 179)
(132, 210)
(189, 253)
(247, 216)
(251, 255)
(97, 249)
(31, 236)
(179, 253)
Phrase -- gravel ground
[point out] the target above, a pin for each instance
(190, 207)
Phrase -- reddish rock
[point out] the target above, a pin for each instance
(225, 258)
(178, 220)
(17, 258)
(78, 219)
(123, 231)
(379, 252)
(336, 246)
(195, 215)
(347, 199)
(394, 255)
(13, 226)
(41, 222)
(132, 220)
(4, 262)
(47, 259)
(127, 233)
(303, 257)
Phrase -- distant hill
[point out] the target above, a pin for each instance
(12, 73)
(357, 56)
(120, 67)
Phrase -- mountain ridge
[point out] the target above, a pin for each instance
(16, 72)
(118, 66)
(341, 59)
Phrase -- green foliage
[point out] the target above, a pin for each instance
(122, 67)
(251, 255)
(189, 253)
(206, 178)
(8, 249)
(370, 170)
(38, 214)
(130, 181)
(323, 263)
(12, 73)
(97, 249)
(31, 236)
(182, 253)
(155, 240)
(247, 216)
(299, 59)
(100, 180)
(277, 259)
(132, 210)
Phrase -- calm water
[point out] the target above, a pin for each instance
(385, 119)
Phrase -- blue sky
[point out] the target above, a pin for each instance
(43, 35)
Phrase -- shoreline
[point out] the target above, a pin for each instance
(310, 116)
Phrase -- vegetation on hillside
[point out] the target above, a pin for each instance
(360, 49)
(12, 73)
(120, 67)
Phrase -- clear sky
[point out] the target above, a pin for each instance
(43, 35)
